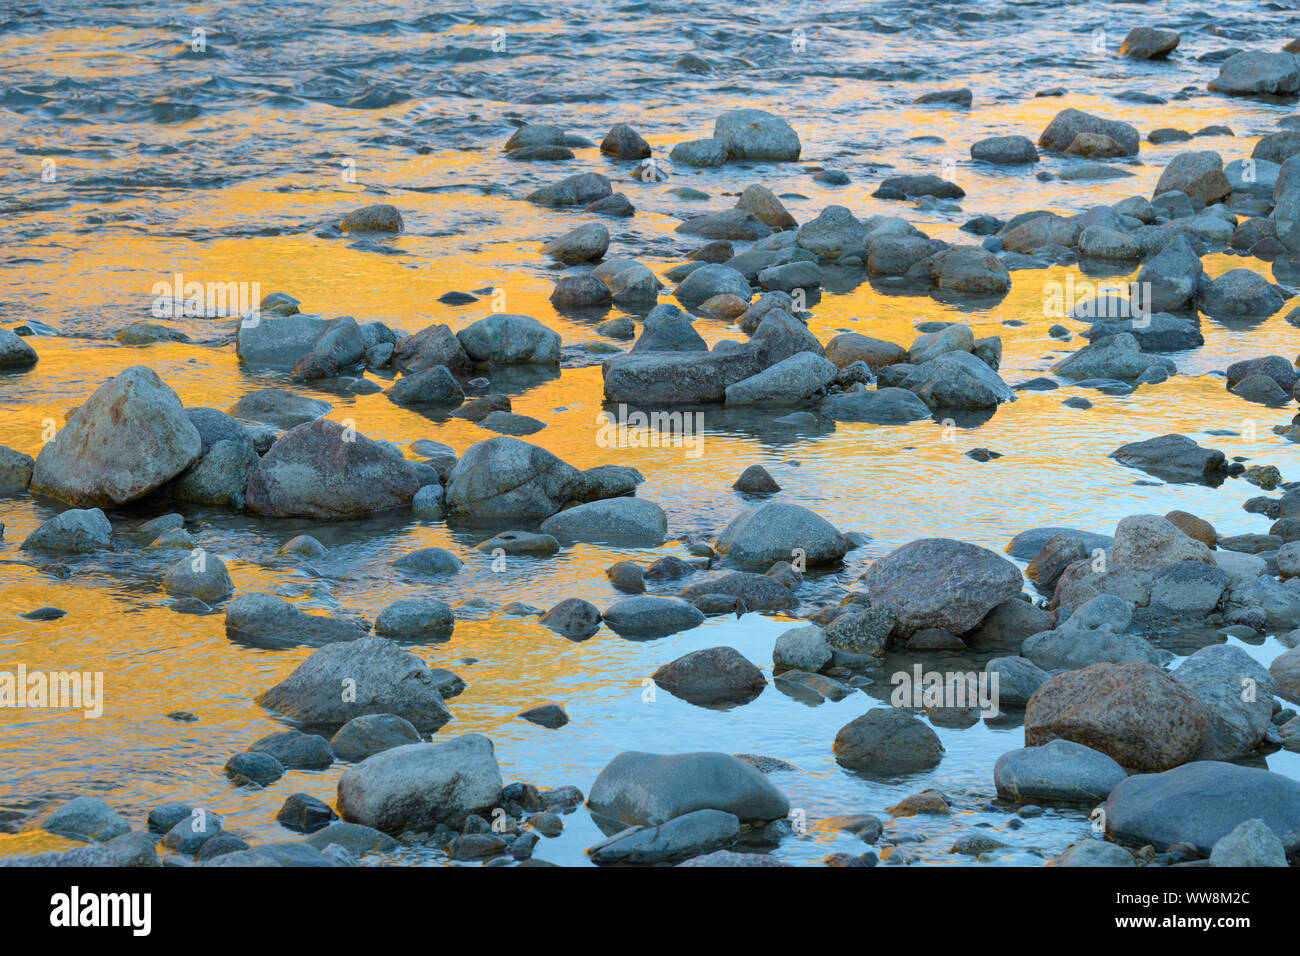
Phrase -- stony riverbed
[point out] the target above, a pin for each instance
(846, 437)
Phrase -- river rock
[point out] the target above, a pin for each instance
(776, 531)
(278, 407)
(77, 530)
(503, 339)
(1240, 292)
(609, 519)
(1256, 73)
(1060, 770)
(887, 742)
(648, 615)
(1149, 43)
(1068, 124)
(325, 470)
(754, 135)
(646, 789)
(1147, 543)
(86, 818)
(418, 786)
(1173, 458)
(421, 619)
(1238, 693)
(130, 437)
(941, 583)
(345, 680)
(505, 477)
(1202, 802)
(370, 734)
(1173, 276)
(789, 381)
(201, 576)
(712, 677)
(1251, 843)
(1005, 150)
(1131, 711)
(958, 380)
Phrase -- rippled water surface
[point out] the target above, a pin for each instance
(227, 165)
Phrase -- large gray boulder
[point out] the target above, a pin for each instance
(756, 135)
(776, 531)
(788, 382)
(714, 676)
(646, 789)
(86, 818)
(882, 406)
(1172, 277)
(323, 469)
(130, 437)
(1202, 802)
(269, 619)
(886, 742)
(370, 734)
(78, 530)
(435, 345)
(278, 342)
(1060, 770)
(1173, 458)
(503, 339)
(1238, 693)
(665, 379)
(652, 615)
(958, 380)
(505, 477)
(416, 787)
(941, 583)
(1240, 293)
(14, 352)
(220, 475)
(1198, 173)
(279, 407)
(1113, 356)
(1068, 124)
(1251, 843)
(1255, 73)
(610, 518)
(345, 680)
(834, 234)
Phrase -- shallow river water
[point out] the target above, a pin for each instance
(229, 164)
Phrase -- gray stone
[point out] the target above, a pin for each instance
(1202, 802)
(128, 438)
(376, 677)
(418, 786)
(646, 789)
(1057, 771)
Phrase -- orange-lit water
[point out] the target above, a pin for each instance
(238, 192)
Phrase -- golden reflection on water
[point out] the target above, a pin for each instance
(894, 483)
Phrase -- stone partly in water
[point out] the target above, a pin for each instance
(1201, 803)
(1132, 711)
(713, 676)
(941, 583)
(345, 680)
(887, 742)
(777, 531)
(323, 469)
(130, 437)
(418, 786)
(647, 789)
(79, 530)
(1060, 770)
